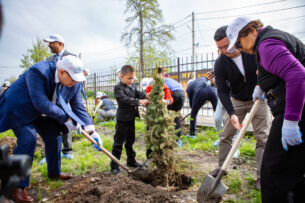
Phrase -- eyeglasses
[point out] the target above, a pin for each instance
(70, 76)
(238, 44)
(242, 33)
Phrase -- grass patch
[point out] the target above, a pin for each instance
(204, 140)
(8, 133)
(248, 146)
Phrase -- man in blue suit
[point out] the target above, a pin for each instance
(43, 92)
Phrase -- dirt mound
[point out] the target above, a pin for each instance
(105, 187)
(10, 141)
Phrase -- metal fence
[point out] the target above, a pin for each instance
(180, 69)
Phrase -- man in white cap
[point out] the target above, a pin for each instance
(43, 92)
(56, 45)
(235, 77)
(4, 87)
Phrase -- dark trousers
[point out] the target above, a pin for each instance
(124, 133)
(199, 98)
(282, 173)
(49, 131)
(179, 97)
(67, 143)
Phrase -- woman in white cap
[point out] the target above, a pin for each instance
(281, 76)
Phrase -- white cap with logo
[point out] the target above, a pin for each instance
(233, 31)
(54, 38)
(6, 83)
(73, 65)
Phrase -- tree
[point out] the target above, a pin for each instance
(161, 135)
(39, 52)
(143, 27)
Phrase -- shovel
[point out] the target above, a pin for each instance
(212, 189)
(138, 173)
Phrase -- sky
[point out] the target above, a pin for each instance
(93, 28)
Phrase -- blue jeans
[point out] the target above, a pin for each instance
(219, 116)
(49, 131)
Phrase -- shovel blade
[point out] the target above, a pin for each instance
(203, 194)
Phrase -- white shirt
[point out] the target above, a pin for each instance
(239, 62)
(60, 54)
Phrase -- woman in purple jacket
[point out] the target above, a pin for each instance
(281, 76)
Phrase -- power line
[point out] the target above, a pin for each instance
(230, 9)
(200, 32)
(262, 12)
(282, 19)
(182, 19)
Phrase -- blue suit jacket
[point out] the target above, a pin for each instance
(31, 96)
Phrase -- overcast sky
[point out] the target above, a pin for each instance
(93, 27)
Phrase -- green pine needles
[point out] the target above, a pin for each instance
(161, 134)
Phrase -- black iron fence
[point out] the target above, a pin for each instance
(180, 69)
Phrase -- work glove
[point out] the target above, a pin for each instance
(98, 139)
(72, 125)
(258, 93)
(291, 134)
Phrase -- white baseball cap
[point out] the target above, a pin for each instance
(73, 65)
(100, 94)
(233, 31)
(6, 83)
(54, 38)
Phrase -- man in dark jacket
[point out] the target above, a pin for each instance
(128, 99)
(238, 69)
(199, 92)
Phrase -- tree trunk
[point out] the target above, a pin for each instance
(141, 44)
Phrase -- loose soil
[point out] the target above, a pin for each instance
(105, 187)
(12, 143)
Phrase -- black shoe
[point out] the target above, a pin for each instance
(134, 164)
(115, 171)
(215, 173)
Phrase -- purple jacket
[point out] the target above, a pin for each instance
(278, 60)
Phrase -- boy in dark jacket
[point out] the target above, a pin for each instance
(128, 99)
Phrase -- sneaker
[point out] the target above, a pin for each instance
(115, 171)
(179, 143)
(191, 136)
(216, 143)
(43, 161)
(134, 164)
(67, 156)
(146, 163)
(236, 154)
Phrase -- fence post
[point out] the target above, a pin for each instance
(178, 66)
(94, 89)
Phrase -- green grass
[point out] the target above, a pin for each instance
(8, 133)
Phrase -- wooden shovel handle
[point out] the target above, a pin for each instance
(113, 158)
(243, 130)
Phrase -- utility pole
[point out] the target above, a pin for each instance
(80, 55)
(193, 41)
